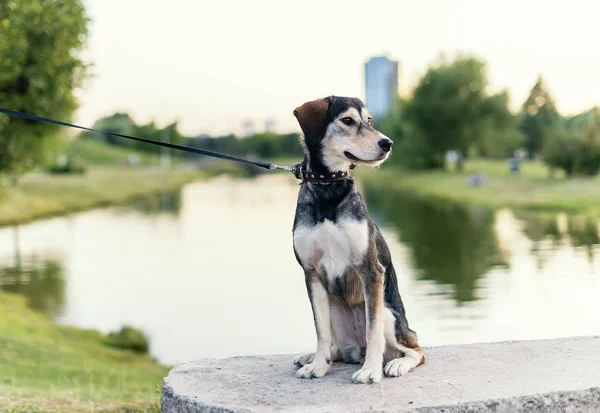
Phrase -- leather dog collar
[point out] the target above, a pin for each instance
(308, 176)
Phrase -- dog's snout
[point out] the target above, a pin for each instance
(385, 144)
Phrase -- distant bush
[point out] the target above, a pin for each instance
(67, 165)
(574, 155)
(129, 338)
(263, 145)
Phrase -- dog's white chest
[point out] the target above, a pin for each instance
(332, 246)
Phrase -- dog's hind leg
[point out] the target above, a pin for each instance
(319, 301)
(402, 352)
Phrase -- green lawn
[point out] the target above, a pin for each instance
(533, 189)
(41, 195)
(108, 180)
(95, 152)
(50, 368)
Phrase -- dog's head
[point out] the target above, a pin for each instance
(339, 131)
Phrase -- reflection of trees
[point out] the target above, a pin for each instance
(584, 233)
(41, 281)
(578, 231)
(542, 231)
(539, 227)
(158, 203)
(452, 245)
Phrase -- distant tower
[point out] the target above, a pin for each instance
(248, 128)
(381, 84)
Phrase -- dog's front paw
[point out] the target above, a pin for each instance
(303, 359)
(367, 375)
(312, 370)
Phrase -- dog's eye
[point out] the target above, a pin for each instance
(348, 121)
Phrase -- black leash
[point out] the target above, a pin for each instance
(265, 165)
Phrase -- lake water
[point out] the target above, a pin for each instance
(210, 271)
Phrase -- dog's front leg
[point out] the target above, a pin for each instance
(372, 369)
(320, 307)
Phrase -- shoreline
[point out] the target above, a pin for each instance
(532, 191)
(50, 367)
(51, 196)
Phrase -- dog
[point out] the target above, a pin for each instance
(358, 313)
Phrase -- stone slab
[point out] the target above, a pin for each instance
(560, 375)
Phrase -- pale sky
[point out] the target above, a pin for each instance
(213, 64)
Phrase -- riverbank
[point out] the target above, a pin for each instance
(532, 189)
(41, 195)
(49, 368)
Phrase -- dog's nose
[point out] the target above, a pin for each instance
(385, 144)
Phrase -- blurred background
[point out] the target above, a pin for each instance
(119, 259)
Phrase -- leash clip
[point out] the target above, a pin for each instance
(297, 170)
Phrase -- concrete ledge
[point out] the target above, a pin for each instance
(561, 375)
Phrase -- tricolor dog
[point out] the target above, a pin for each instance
(358, 313)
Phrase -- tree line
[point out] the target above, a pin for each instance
(451, 109)
(263, 145)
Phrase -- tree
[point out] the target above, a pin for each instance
(500, 134)
(40, 66)
(116, 123)
(123, 123)
(575, 147)
(410, 150)
(451, 110)
(539, 118)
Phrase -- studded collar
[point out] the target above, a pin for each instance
(301, 173)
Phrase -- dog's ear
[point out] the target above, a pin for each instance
(312, 116)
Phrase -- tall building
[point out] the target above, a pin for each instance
(269, 125)
(247, 128)
(381, 84)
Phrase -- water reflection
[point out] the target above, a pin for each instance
(451, 245)
(166, 202)
(584, 233)
(39, 279)
(552, 231)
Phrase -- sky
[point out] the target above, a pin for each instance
(210, 65)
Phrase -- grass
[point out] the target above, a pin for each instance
(107, 181)
(532, 189)
(43, 195)
(50, 368)
(98, 153)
